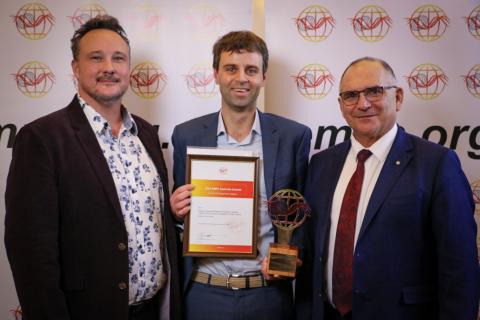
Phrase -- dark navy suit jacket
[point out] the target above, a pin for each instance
(415, 256)
(286, 146)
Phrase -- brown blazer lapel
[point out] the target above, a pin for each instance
(90, 146)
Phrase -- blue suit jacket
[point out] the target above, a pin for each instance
(286, 146)
(415, 256)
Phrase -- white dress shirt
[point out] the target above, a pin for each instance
(373, 166)
(227, 266)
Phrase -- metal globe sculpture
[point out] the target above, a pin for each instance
(288, 210)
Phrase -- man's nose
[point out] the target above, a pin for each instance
(108, 66)
(241, 76)
(363, 102)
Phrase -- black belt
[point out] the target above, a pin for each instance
(232, 281)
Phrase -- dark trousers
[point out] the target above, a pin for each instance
(147, 310)
(208, 302)
(333, 314)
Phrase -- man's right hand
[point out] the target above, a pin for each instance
(180, 201)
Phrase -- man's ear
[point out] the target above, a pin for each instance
(215, 75)
(264, 80)
(398, 98)
(74, 65)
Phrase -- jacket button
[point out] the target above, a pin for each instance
(122, 285)
(122, 246)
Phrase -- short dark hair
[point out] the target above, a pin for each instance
(383, 63)
(98, 22)
(237, 41)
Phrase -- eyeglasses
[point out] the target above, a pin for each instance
(372, 94)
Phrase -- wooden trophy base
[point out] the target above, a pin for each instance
(282, 260)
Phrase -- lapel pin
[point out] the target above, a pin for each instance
(397, 162)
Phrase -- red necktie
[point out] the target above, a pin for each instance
(343, 255)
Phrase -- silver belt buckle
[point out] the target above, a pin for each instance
(229, 284)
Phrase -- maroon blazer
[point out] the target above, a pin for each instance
(64, 230)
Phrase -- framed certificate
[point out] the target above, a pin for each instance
(223, 210)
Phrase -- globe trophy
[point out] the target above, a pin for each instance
(288, 210)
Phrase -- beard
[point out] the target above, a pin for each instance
(107, 99)
(104, 98)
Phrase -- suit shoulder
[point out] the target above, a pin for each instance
(145, 127)
(142, 123)
(196, 122)
(428, 148)
(283, 122)
(51, 122)
(329, 152)
(48, 131)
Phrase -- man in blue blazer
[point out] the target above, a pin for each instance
(240, 63)
(412, 251)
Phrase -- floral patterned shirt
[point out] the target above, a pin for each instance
(140, 193)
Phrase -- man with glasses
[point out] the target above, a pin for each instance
(392, 234)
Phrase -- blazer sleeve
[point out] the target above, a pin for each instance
(455, 232)
(179, 159)
(304, 281)
(301, 163)
(32, 227)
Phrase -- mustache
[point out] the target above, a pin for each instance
(108, 77)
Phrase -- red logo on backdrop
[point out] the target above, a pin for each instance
(427, 81)
(147, 80)
(34, 21)
(472, 81)
(146, 17)
(371, 23)
(17, 313)
(34, 79)
(85, 13)
(473, 22)
(314, 81)
(315, 23)
(205, 20)
(428, 22)
(201, 82)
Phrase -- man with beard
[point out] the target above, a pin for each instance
(88, 228)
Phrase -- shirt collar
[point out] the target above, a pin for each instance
(256, 128)
(381, 147)
(100, 124)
